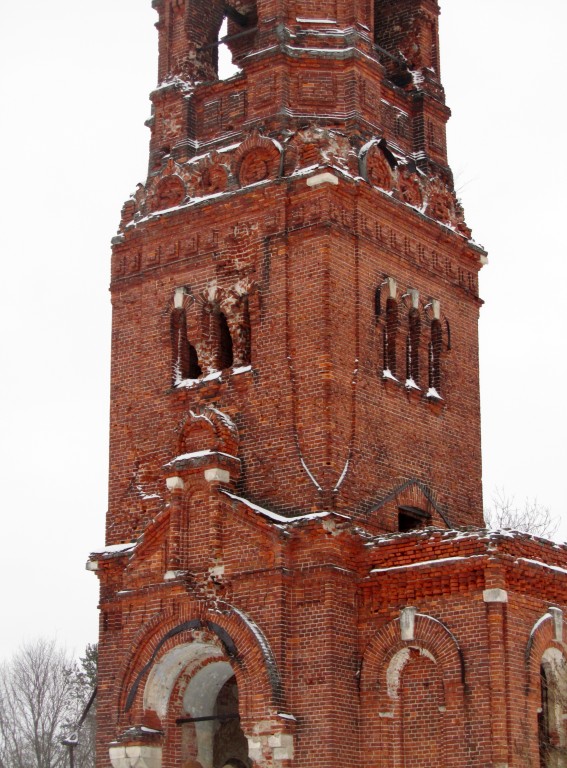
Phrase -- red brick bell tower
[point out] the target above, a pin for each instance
(294, 572)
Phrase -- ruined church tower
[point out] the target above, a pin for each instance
(296, 572)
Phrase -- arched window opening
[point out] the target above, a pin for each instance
(226, 67)
(552, 710)
(411, 518)
(226, 356)
(184, 355)
(390, 336)
(211, 731)
(412, 347)
(435, 348)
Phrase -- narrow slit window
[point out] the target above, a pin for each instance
(390, 336)
(226, 355)
(412, 348)
(184, 355)
(435, 349)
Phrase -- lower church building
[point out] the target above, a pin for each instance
(297, 571)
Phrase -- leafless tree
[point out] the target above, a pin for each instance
(529, 518)
(85, 686)
(41, 696)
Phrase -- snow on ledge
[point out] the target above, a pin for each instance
(198, 455)
(549, 567)
(113, 549)
(424, 563)
(274, 515)
(315, 21)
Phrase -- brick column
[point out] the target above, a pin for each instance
(496, 600)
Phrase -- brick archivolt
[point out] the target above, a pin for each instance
(385, 653)
(221, 634)
(208, 427)
(546, 633)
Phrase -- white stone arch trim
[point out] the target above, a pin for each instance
(397, 665)
(425, 632)
(165, 672)
(546, 632)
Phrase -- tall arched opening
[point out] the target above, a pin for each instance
(193, 689)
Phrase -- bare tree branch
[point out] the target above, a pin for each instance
(530, 518)
(42, 694)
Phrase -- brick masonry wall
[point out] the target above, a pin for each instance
(296, 243)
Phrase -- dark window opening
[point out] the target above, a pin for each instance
(230, 746)
(390, 336)
(435, 348)
(389, 32)
(226, 356)
(411, 518)
(412, 348)
(184, 355)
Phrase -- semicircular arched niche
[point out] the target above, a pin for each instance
(377, 165)
(169, 192)
(257, 159)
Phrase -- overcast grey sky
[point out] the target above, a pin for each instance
(74, 82)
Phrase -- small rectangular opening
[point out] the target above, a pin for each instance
(411, 518)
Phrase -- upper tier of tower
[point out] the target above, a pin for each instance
(368, 69)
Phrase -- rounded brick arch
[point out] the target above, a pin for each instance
(544, 644)
(542, 636)
(243, 645)
(429, 633)
(433, 660)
